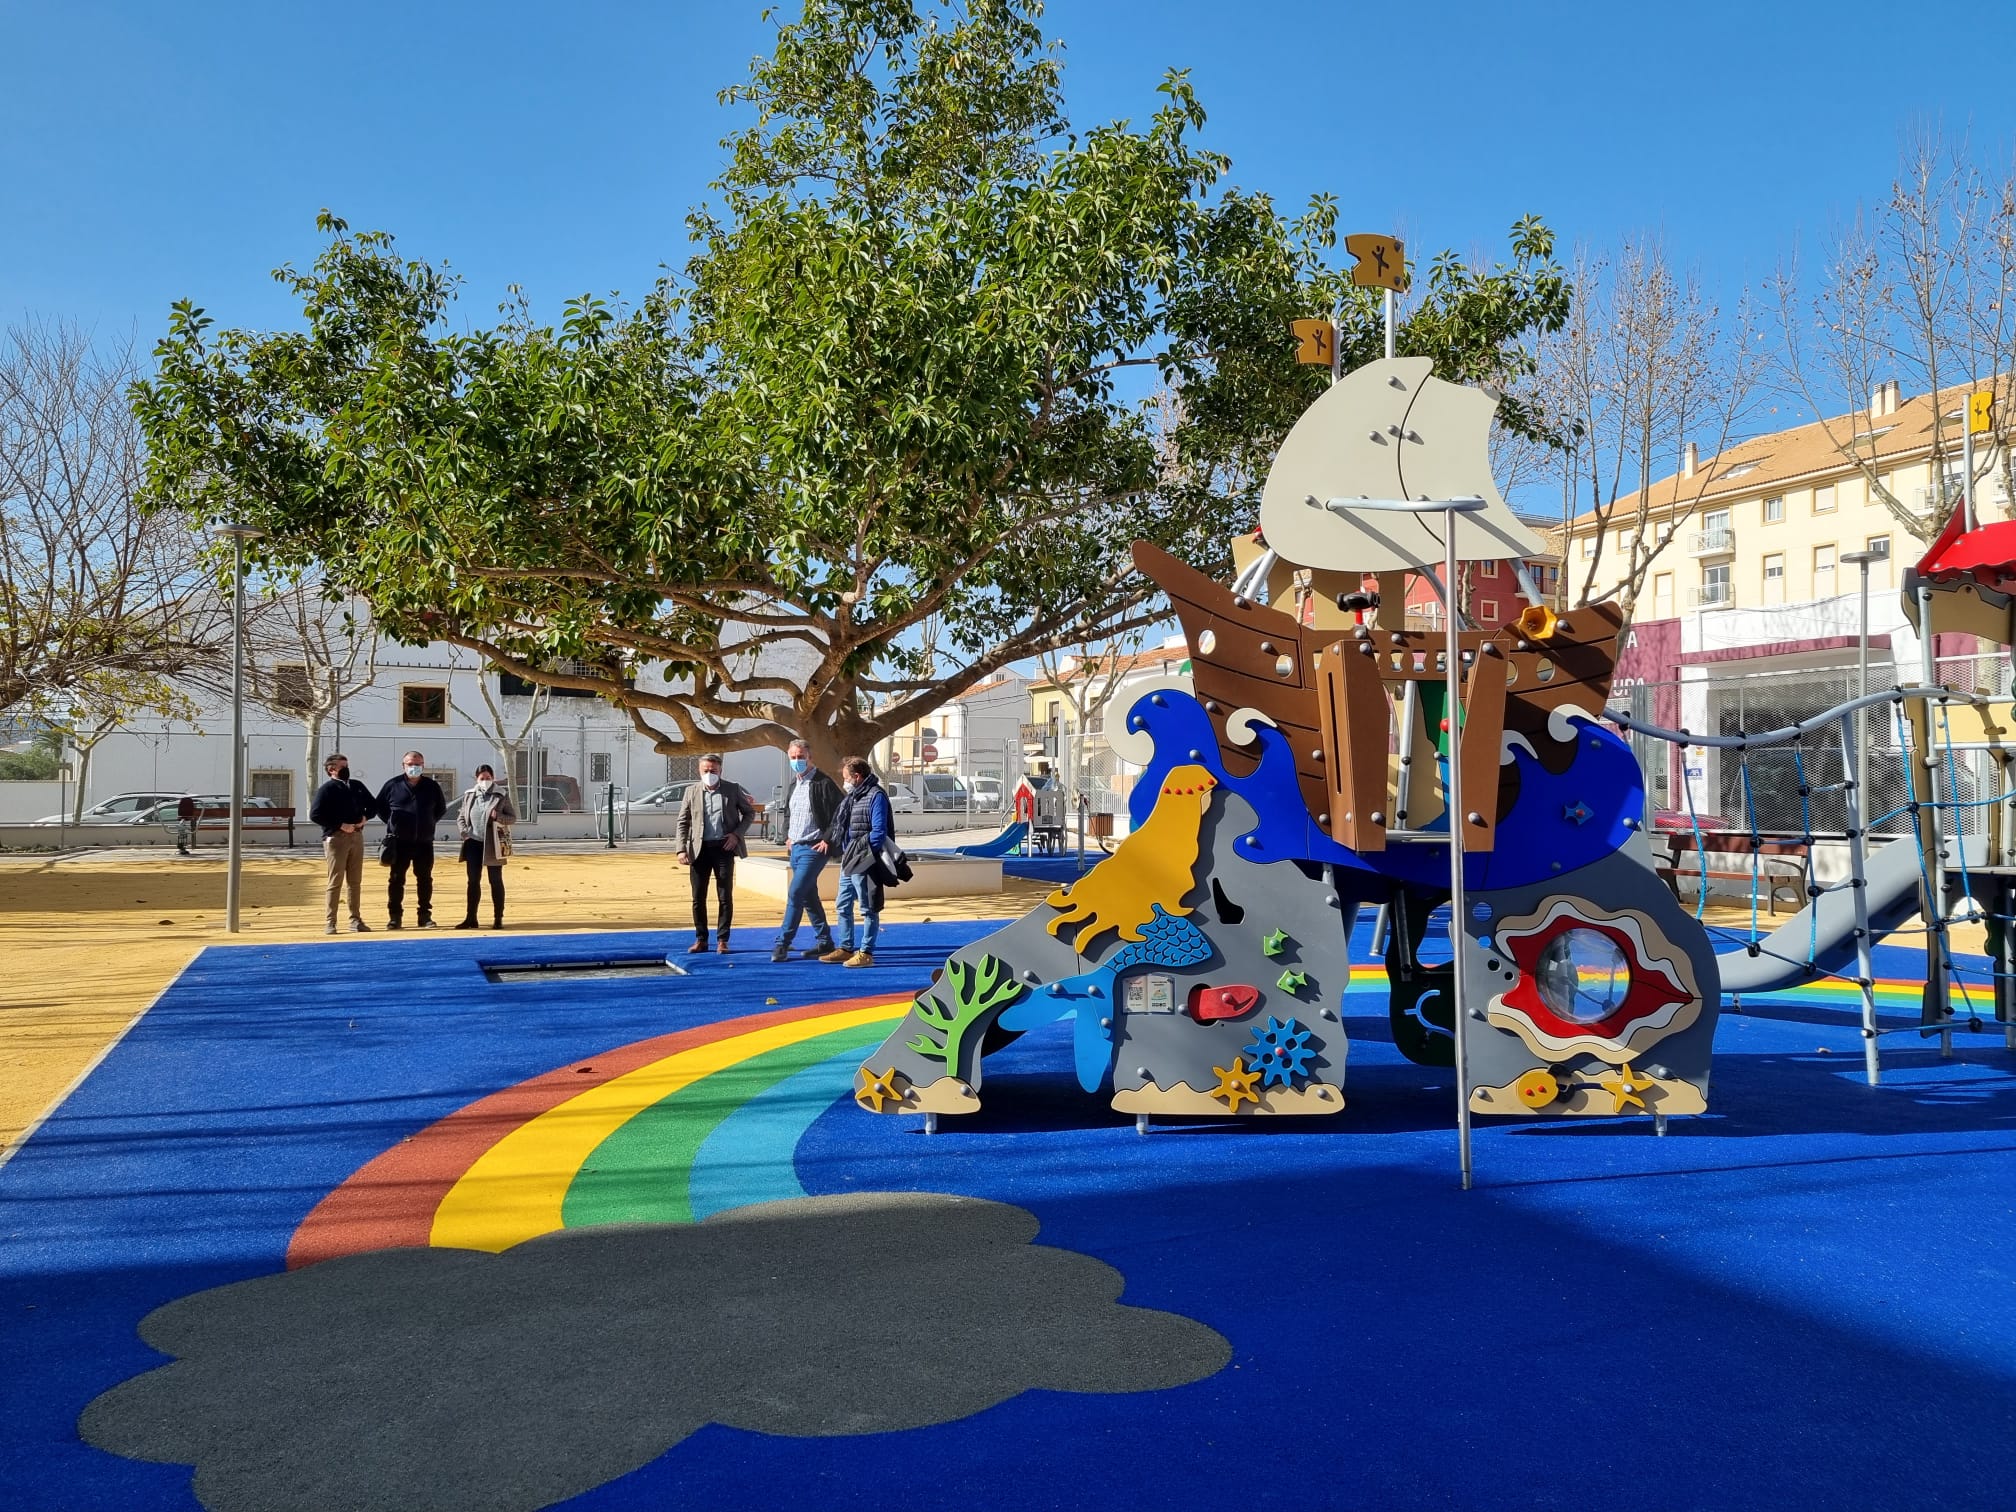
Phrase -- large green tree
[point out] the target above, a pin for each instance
(937, 359)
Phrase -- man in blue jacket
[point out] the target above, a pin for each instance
(411, 804)
(341, 806)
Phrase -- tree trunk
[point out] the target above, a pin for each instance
(83, 780)
(312, 725)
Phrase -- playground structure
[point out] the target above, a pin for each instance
(1317, 764)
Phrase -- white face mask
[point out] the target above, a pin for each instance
(712, 779)
(414, 771)
(482, 784)
(852, 784)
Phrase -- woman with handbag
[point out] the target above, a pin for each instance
(485, 819)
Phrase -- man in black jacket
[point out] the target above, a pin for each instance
(341, 806)
(411, 804)
(809, 803)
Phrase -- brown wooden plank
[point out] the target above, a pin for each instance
(1483, 725)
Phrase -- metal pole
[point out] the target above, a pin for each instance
(1389, 332)
(1967, 473)
(1858, 873)
(236, 856)
(1453, 674)
(610, 790)
(1337, 351)
(1928, 825)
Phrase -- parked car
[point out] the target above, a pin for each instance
(986, 793)
(164, 812)
(660, 799)
(124, 808)
(944, 792)
(560, 795)
(901, 799)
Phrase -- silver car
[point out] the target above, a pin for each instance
(125, 808)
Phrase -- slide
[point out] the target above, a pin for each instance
(1805, 946)
(1001, 845)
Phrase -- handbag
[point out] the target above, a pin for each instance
(385, 851)
(504, 842)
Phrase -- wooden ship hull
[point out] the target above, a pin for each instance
(1333, 695)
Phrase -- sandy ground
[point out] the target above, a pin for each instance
(92, 940)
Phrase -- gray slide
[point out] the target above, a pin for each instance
(1804, 947)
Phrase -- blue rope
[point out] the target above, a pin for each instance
(1700, 845)
(1756, 837)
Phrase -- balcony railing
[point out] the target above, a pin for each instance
(1711, 596)
(1718, 542)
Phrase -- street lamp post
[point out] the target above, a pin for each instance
(1449, 509)
(235, 855)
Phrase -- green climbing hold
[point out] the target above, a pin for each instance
(1276, 942)
(1292, 980)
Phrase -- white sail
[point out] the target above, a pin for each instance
(1389, 430)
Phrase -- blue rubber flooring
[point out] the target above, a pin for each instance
(1806, 1298)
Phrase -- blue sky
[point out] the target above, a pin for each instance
(149, 152)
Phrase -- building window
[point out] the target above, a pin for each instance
(1589, 546)
(1715, 585)
(1823, 499)
(421, 704)
(1774, 578)
(275, 786)
(1662, 596)
(1879, 572)
(1823, 572)
(446, 776)
(682, 768)
(1487, 611)
(1487, 569)
(1774, 509)
(598, 766)
(1715, 519)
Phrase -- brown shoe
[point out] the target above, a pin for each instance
(859, 958)
(696, 947)
(836, 956)
(721, 945)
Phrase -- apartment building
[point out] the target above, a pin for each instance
(1749, 616)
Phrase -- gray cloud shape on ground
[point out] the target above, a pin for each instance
(433, 1380)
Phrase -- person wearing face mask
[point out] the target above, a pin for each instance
(484, 821)
(340, 807)
(713, 817)
(809, 812)
(861, 828)
(411, 804)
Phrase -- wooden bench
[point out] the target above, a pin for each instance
(1781, 865)
(251, 818)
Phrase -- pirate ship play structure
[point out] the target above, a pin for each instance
(1325, 761)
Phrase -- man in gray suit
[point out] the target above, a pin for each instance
(713, 817)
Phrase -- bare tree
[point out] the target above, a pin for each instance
(98, 704)
(1647, 367)
(1921, 291)
(89, 587)
(308, 656)
(509, 733)
(1088, 678)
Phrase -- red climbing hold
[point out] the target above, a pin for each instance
(1208, 1003)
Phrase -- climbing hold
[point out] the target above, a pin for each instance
(1275, 942)
(1577, 813)
(1537, 1088)
(1292, 980)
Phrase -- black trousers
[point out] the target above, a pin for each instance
(418, 854)
(472, 860)
(718, 864)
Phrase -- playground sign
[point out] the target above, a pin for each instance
(1980, 411)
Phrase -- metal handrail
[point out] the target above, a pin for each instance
(1627, 721)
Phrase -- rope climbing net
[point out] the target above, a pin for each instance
(1943, 816)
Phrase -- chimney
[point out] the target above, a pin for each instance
(1690, 458)
(1884, 399)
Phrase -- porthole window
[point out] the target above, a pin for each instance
(1207, 642)
(1583, 976)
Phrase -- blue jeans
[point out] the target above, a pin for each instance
(803, 898)
(854, 890)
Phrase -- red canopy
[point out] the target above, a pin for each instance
(1986, 554)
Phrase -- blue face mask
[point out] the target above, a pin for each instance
(799, 763)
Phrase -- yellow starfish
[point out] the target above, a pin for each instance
(1235, 1083)
(876, 1088)
(1624, 1087)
